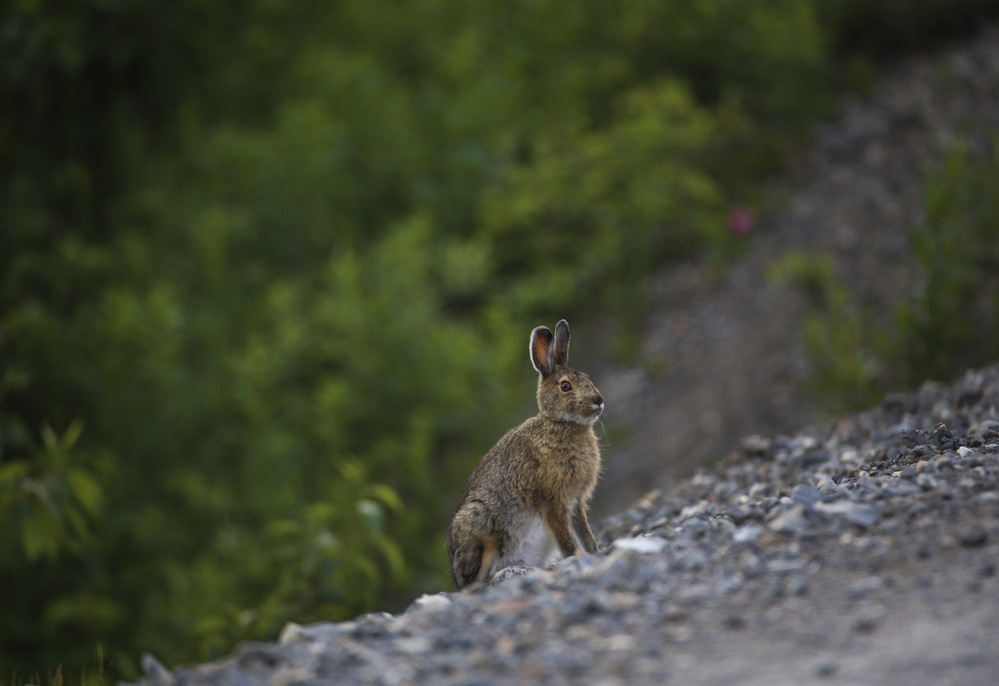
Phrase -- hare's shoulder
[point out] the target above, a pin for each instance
(514, 452)
(520, 442)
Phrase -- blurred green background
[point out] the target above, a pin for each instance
(267, 269)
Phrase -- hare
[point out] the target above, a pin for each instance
(526, 502)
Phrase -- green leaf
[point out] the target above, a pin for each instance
(12, 473)
(72, 434)
(387, 496)
(39, 537)
(393, 555)
(373, 515)
(86, 490)
(50, 440)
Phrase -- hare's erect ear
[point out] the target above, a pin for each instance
(541, 349)
(560, 352)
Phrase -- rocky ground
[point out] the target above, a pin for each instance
(864, 551)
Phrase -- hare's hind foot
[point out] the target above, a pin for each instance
(472, 564)
(510, 572)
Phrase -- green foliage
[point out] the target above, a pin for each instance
(839, 336)
(948, 323)
(594, 206)
(266, 270)
(47, 500)
(952, 322)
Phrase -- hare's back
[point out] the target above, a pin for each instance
(512, 456)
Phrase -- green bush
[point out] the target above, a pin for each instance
(952, 321)
(840, 337)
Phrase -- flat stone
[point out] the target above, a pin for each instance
(641, 544)
(862, 514)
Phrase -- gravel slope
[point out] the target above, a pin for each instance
(863, 551)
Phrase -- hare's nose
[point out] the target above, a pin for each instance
(598, 401)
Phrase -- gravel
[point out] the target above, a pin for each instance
(861, 551)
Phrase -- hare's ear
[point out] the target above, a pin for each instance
(560, 352)
(541, 349)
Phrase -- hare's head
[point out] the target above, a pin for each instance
(564, 394)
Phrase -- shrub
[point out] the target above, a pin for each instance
(949, 322)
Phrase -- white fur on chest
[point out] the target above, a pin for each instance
(536, 547)
(532, 547)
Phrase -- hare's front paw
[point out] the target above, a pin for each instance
(510, 572)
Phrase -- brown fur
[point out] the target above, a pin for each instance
(527, 499)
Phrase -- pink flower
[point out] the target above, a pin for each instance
(740, 221)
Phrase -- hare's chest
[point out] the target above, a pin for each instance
(569, 471)
(537, 547)
(578, 472)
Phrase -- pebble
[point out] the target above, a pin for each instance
(927, 482)
(154, 673)
(314, 632)
(786, 566)
(791, 520)
(827, 670)
(862, 588)
(747, 534)
(740, 514)
(869, 618)
(862, 514)
(901, 490)
(944, 461)
(756, 445)
(413, 645)
(432, 603)
(641, 544)
(374, 624)
(973, 538)
(806, 495)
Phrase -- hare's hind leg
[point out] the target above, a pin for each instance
(472, 563)
(472, 545)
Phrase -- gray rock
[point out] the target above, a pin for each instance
(791, 520)
(154, 673)
(975, 537)
(927, 482)
(640, 544)
(862, 514)
(806, 495)
(629, 571)
(740, 514)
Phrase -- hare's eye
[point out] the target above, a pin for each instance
(566, 386)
